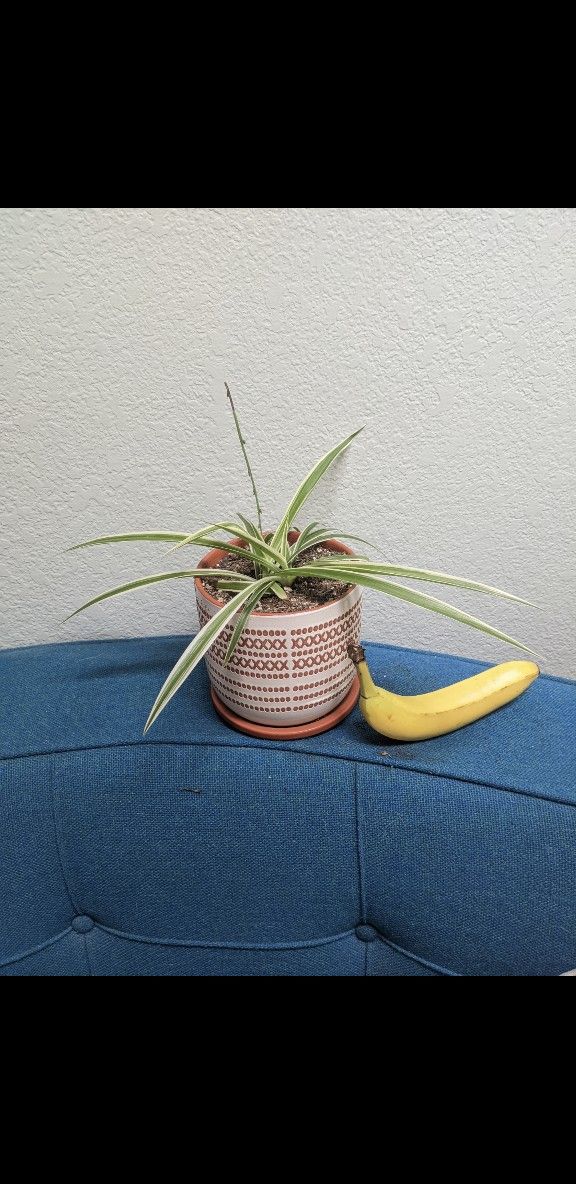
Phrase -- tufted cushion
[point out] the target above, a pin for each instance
(201, 852)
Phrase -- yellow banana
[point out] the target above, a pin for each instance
(419, 717)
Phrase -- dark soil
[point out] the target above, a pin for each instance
(304, 593)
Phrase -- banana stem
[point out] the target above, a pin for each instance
(367, 687)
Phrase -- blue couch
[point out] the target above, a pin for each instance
(200, 852)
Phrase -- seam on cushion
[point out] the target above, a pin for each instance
(87, 956)
(36, 949)
(359, 849)
(58, 844)
(276, 746)
(295, 945)
(186, 637)
(421, 961)
(366, 948)
(227, 945)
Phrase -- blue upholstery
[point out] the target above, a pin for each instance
(198, 851)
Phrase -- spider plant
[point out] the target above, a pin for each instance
(273, 557)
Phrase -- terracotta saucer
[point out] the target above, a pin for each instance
(298, 731)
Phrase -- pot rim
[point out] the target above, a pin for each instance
(213, 557)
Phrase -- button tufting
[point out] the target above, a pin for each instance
(366, 933)
(82, 924)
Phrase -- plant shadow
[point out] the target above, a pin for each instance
(114, 670)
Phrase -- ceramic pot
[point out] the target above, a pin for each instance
(288, 668)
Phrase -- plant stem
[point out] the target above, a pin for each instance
(243, 446)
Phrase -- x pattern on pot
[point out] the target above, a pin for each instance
(321, 655)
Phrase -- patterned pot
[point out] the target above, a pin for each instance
(288, 668)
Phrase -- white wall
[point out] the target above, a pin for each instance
(449, 333)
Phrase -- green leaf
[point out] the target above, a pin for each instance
(279, 591)
(219, 545)
(267, 555)
(198, 537)
(355, 564)
(253, 549)
(279, 541)
(232, 585)
(352, 538)
(197, 648)
(147, 536)
(302, 541)
(251, 528)
(316, 537)
(201, 572)
(201, 538)
(349, 575)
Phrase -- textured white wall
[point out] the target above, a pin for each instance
(449, 333)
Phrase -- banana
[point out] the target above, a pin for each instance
(419, 717)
